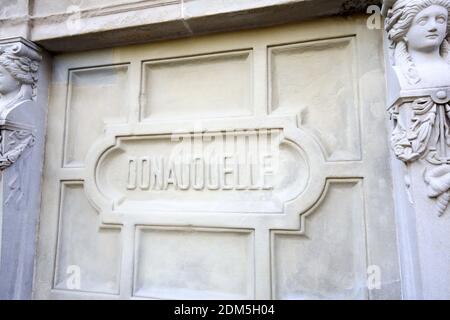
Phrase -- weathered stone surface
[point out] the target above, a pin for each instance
(166, 208)
(14, 19)
(313, 226)
(22, 129)
(419, 94)
(68, 26)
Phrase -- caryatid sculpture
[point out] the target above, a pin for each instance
(419, 52)
(18, 78)
(22, 120)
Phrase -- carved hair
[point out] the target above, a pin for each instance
(22, 63)
(398, 22)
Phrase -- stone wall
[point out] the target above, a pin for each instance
(295, 64)
(78, 25)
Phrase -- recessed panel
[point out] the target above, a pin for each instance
(317, 81)
(188, 263)
(96, 97)
(252, 171)
(207, 86)
(224, 167)
(328, 261)
(88, 257)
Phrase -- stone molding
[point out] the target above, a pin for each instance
(74, 26)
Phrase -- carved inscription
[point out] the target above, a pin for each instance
(234, 162)
(249, 170)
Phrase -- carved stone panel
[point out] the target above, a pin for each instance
(190, 253)
(85, 86)
(211, 168)
(224, 90)
(311, 78)
(79, 229)
(295, 279)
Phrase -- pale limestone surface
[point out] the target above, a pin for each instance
(14, 15)
(65, 25)
(22, 128)
(308, 223)
(317, 215)
(419, 93)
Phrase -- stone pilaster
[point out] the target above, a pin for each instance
(418, 74)
(22, 121)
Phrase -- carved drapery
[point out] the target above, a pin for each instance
(421, 133)
(18, 141)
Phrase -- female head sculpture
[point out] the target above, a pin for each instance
(18, 74)
(419, 28)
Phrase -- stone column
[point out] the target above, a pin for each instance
(22, 122)
(418, 73)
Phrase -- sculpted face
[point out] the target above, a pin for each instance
(428, 29)
(7, 83)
